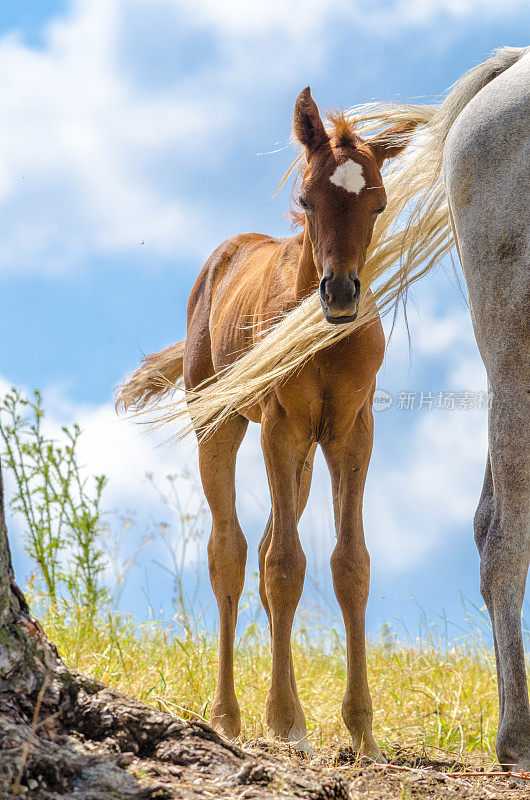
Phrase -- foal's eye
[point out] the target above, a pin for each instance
(379, 209)
(305, 205)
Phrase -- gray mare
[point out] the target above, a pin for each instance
(487, 179)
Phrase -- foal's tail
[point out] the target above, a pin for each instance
(154, 379)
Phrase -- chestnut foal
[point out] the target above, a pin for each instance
(329, 402)
(247, 283)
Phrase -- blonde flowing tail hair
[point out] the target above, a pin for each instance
(155, 378)
(399, 254)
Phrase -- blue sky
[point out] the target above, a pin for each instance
(138, 134)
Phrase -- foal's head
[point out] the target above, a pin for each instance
(341, 195)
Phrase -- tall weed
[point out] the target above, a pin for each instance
(60, 506)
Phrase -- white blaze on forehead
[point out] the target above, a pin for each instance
(350, 176)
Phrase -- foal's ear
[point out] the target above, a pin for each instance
(308, 127)
(391, 142)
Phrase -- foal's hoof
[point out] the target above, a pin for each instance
(227, 724)
(369, 749)
(298, 739)
(227, 730)
(376, 758)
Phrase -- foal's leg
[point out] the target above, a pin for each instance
(303, 495)
(227, 554)
(348, 457)
(283, 567)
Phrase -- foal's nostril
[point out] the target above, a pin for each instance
(324, 294)
(356, 287)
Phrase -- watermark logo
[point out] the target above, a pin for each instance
(382, 400)
(432, 400)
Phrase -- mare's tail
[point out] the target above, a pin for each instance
(154, 379)
(397, 257)
(399, 254)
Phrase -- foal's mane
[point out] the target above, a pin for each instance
(342, 130)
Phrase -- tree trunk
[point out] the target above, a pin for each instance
(63, 735)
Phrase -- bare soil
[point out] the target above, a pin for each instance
(271, 771)
(105, 746)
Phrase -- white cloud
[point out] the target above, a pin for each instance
(74, 143)
(83, 143)
(237, 18)
(414, 507)
(385, 19)
(420, 496)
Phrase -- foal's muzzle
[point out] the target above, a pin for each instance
(339, 297)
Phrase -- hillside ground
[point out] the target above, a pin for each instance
(435, 711)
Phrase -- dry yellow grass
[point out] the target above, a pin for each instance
(425, 698)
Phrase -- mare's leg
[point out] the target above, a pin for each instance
(283, 568)
(502, 528)
(227, 554)
(303, 495)
(348, 455)
(481, 524)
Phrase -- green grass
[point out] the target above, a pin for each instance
(425, 698)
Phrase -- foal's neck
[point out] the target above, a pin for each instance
(307, 275)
